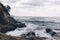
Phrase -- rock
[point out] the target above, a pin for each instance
(50, 31)
(20, 25)
(7, 22)
(8, 37)
(29, 34)
(13, 22)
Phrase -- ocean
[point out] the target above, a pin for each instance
(35, 24)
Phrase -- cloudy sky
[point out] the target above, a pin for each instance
(39, 8)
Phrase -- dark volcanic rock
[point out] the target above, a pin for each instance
(29, 34)
(50, 31)
(20, 25)
(7, 23)
(5, 37)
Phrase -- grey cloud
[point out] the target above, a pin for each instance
(33, 3)
(42, 2)
(57, 2)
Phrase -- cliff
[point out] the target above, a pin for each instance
(7, 23)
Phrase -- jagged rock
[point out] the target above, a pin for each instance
(7, 22)
(20, 25)
(32, 36)
(8, 37)
(50, 31)
(29, 34)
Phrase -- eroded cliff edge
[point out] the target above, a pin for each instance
(7, 23)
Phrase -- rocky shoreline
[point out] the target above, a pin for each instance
(7, 23)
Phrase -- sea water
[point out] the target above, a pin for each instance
(31, 26)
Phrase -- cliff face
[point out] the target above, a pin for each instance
(7, 23)
(3, 15)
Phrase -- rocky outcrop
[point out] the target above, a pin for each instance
(51, 32)
(7, 23)
(29, 34)
(5, 37)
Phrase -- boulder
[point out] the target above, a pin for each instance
(50, 31)
(29, 34)
(8, 37)
(20, 25)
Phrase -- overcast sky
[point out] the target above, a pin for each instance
(40, 8)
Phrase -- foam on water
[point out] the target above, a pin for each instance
(19, 31)
(30, 27)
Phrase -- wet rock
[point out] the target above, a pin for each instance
(20, 25)
(51, 32)
(48, 30)
(29, 34)
(13, 22)
(8, 37)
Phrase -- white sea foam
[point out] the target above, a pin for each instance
(30, 27)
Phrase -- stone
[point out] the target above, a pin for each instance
(50, 31)
(7, 22)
